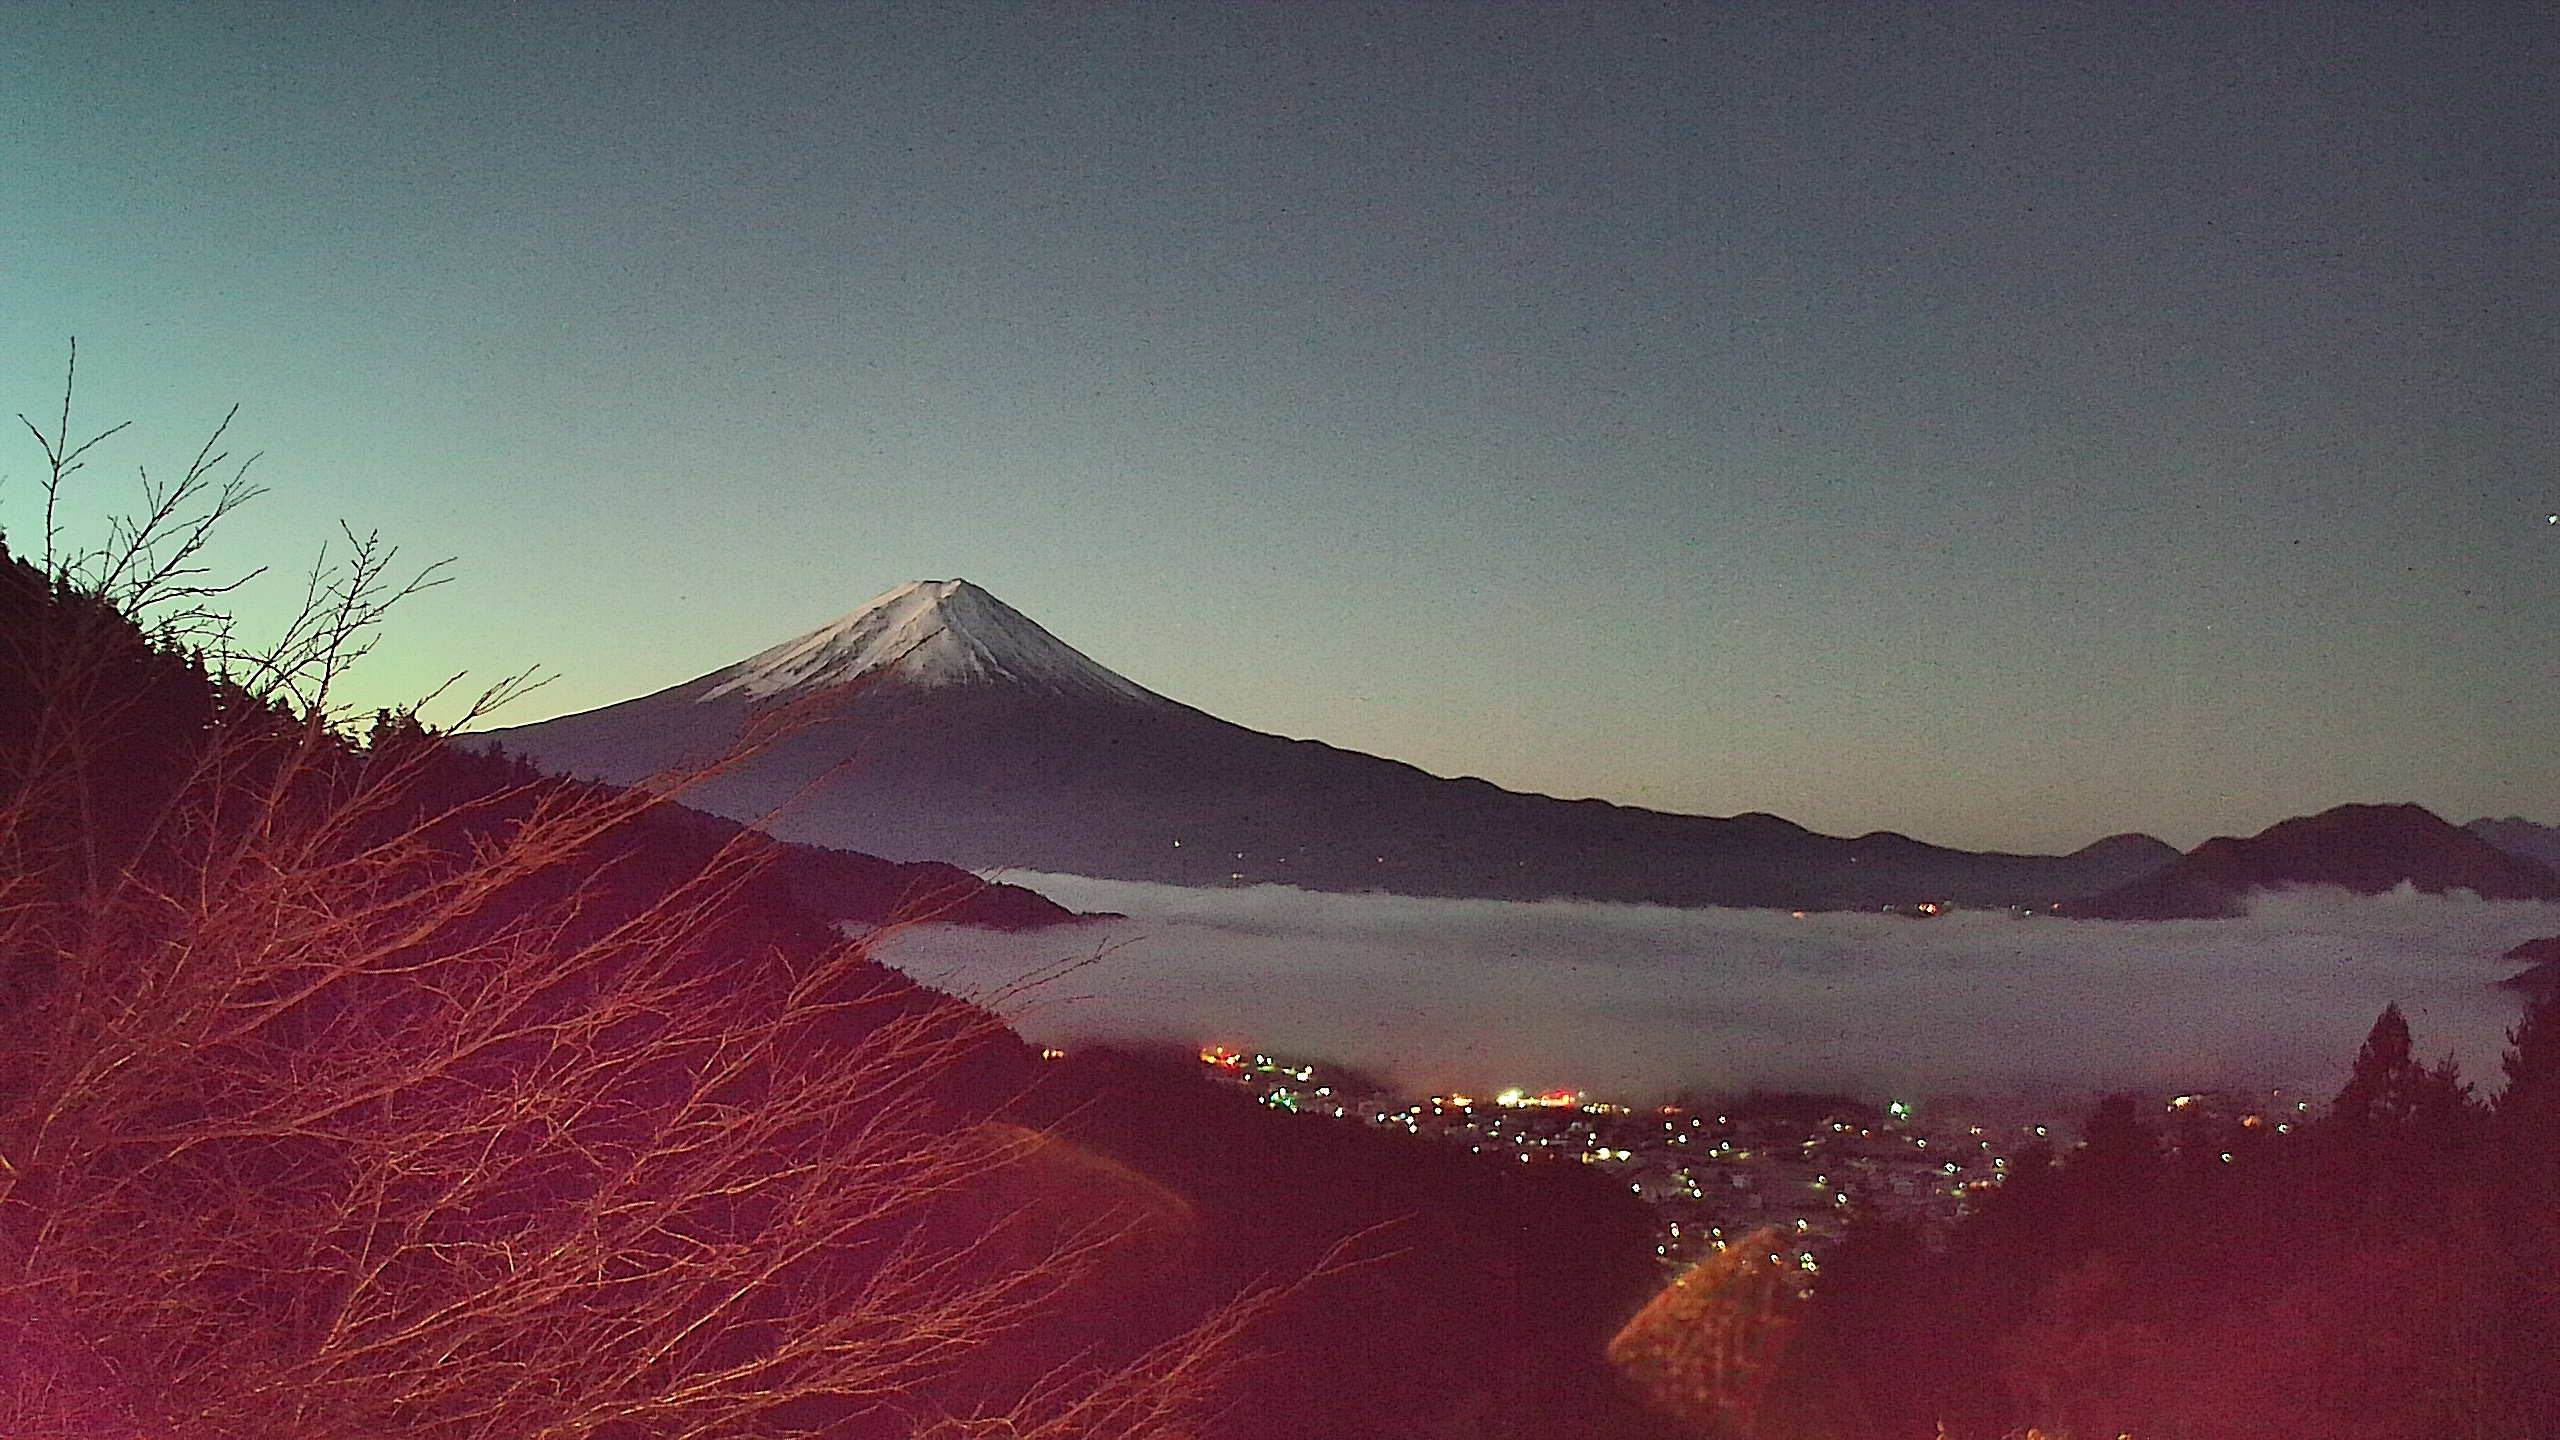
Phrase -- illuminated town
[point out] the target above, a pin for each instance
(1806, 1164)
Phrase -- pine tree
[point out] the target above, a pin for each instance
(2382, 1085)
(2526, 1123)
(2442, 1110)
(2532, 1065)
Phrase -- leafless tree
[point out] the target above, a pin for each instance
(322, 1115)
(1707, 1346)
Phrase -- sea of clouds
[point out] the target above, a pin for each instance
(1644, 1002)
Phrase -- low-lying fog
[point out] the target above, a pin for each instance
(1644, 1001)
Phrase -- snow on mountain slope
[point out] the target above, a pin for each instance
(930, 633)
(990, 742)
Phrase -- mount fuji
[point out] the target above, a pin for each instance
(938, 722)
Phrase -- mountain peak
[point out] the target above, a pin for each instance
(927, 633)
(2368, 849)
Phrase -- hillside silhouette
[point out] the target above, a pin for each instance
(1126, 1203)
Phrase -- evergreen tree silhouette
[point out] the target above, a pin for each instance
(2383, 1084)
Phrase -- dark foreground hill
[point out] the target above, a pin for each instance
(2368, 849)
(939, 722)
(311, 1050)
(858, 889)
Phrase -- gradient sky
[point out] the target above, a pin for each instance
(2004, 424)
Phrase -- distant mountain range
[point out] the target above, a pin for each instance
(2540, 977)
(937, 722)
(947, 725)
(2521, 838)
(2364, 848)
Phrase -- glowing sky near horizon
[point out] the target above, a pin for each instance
(2008, 424)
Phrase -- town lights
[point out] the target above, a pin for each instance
(1516, 1099)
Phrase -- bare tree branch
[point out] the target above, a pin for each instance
(331, 1111)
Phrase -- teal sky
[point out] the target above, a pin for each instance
(2004, 424)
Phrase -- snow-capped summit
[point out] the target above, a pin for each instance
(992, 743)
(929, 633)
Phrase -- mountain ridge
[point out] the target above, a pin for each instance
(2521, 838)
(929, 753)
(2364, 848)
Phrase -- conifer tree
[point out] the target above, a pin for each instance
(2380, 1087)
(2442, 1111)
(2110, 1180)
(2525, 1125)
(2532, 1066)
